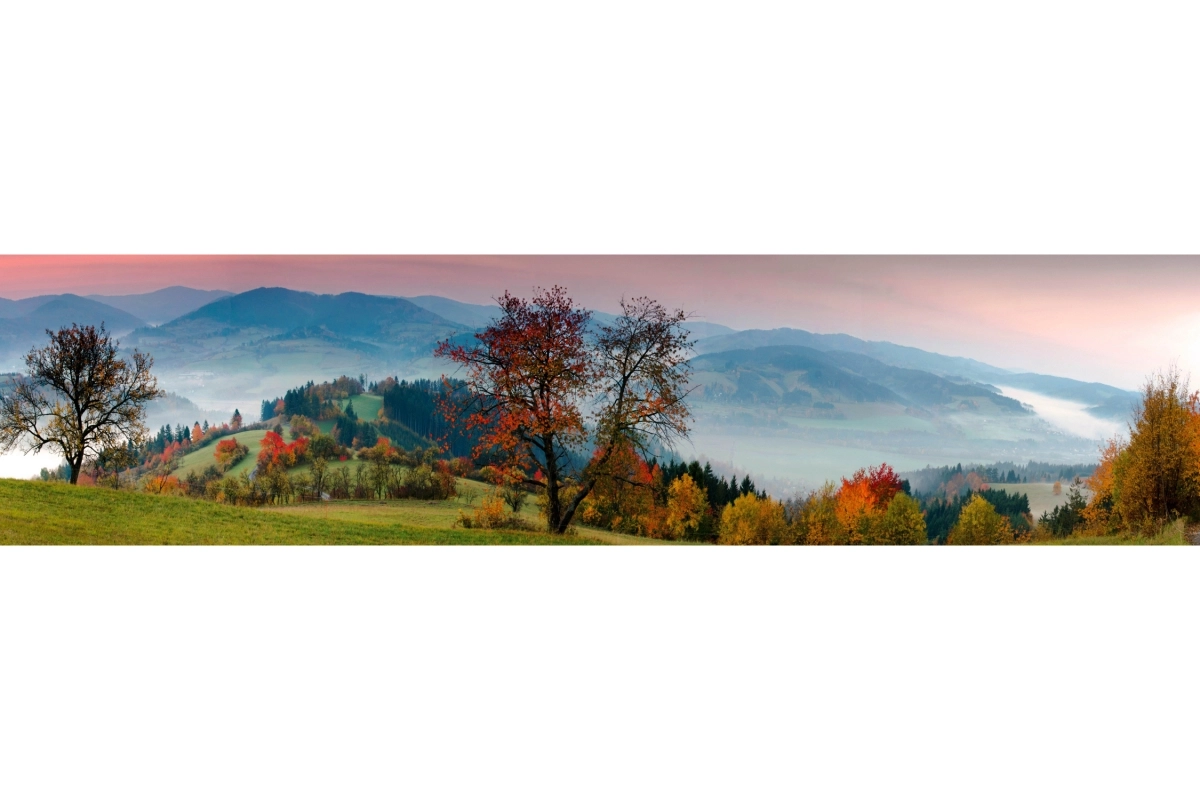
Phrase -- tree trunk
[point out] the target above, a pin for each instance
(569, 513)
(76, 465)
(553, 500)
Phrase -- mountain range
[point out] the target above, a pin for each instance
(23, 323)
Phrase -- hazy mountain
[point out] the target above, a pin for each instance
(477, 316)
(471, 315)
(811, 415)
(1103, 400)
(244, 347)
(163, 305)
(24, 322)
(802, 376)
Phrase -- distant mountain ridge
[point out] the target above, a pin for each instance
(23, 323)
(162, 305)
(478, 316)
(1102, 400)
(794, 375)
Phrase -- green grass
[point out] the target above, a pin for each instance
(366, 406)
(33, 512)
(1171, 535)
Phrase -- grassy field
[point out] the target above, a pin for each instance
(32, 512)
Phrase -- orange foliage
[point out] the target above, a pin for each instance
(163, 484)
(278, 453)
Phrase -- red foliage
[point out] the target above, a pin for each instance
(878, 485)
(277, 453)
(526, 380)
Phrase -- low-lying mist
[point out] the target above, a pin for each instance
(1066, 415)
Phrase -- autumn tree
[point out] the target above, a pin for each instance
(1161, 478)
(687, 503)
(979, 523)
(753, 520)
(642, 375)
(538, 387)
(78, 398)
(902, 523)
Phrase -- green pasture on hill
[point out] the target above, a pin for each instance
(366, 406)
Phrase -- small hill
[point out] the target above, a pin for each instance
(163, 305)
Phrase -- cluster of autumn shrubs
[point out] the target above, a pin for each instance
(383, 471)
(869, 508)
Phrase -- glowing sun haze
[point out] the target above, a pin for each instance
(1101, 318)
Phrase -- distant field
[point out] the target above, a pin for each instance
(366, 406)
(1041, 495)
(33, 512)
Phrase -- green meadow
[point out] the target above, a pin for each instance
(38, 513)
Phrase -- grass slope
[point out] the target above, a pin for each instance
(32, 512)
(206, 456)
(366, 406)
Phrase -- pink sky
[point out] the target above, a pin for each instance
(1105, 318)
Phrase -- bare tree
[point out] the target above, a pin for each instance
(78, 398)
(641, 397)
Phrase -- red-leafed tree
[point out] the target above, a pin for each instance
(525, 383)
(540, 388)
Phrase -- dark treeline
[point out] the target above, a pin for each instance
(721, 491)
(414, 404)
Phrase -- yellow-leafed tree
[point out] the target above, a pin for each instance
(686, 503)
(980, 524)
(901, 523)
(751, 520)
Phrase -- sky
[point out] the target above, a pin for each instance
(1111, 319)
